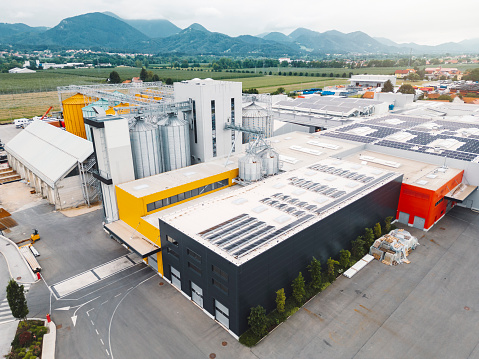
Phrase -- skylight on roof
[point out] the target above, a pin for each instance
(431, 176)
(282, 219)
(422, 182)
(279, 185)
(298, 191)
(393, 121)
(240, 201)
(187, 174)
(142, 186)
(260, 209)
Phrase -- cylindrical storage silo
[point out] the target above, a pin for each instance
(175, 141)
(249, 168)
(146, 148)
(270, 159)
(257, 117)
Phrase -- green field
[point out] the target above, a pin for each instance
(48, 80)
(271, 83)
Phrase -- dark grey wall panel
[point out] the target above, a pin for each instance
(257, 280)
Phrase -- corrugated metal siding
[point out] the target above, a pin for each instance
(73, 115)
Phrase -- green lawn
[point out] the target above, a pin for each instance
(283, 81)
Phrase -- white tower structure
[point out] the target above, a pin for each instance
(111, 141)
(215, 104)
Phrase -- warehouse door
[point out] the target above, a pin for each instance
(197, 294)
(152, 262)
(222, 314)
(403, 218)
(175, 278)
(419, 222)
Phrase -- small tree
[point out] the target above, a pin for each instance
(114, 77)
(344, 258)
(387, 224)
(332, 269)
(388, 87)
(169, 81)
(280, 300)
(358, 247)
(257, 321)
(368, 238)
(377, 230)
(314, 269)
(16, 299)
(143, 74)
(407, 89)
(298, 289)
(155, 78)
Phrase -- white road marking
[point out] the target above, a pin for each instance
(129, 289)
(76, 283)
(104, 302)
(96, 330)
(102, 342)
(114, 311)
(113, 267)
(88, 311)
(107, 351)
(117, 295)
(92, 322)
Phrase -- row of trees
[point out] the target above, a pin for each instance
(146, 76)
(405, 89)
(301, 291)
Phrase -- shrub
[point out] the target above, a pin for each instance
(314, 269)
(377, 230)
(257, 321)
(280, 300)
(387, 224)
(298, 289)
(24, 339)
(369, 238)
(358, 247)
(344, 258)
(331, 265)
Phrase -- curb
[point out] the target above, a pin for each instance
(49, 342)
(24, 261)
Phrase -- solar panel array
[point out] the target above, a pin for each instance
(423, 136)
(341, 172)
(242, 234)
(350, 137)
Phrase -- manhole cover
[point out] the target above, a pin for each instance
(161, 283)
(18, 278)
(212, 355)
(467, 308)
(442, 228)
(224, 344)
(59, 326)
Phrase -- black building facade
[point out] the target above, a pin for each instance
(228, 291)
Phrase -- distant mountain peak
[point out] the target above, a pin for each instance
(197, 27)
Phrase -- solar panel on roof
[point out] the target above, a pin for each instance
(222, 224)
(212, 238)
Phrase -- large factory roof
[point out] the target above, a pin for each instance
(326, 105)
(415, 173)
(240, 224)
(458, 138)
(296, 149)
(47, 151)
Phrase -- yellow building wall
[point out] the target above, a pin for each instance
(73, 115)
(132, 209)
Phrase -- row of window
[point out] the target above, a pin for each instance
(442, 199)
(186, 195)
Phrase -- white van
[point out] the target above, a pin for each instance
(22, 122)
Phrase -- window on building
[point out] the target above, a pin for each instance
(220, 285)
(193, 254)
(194, 268)
(218, 271)
(213, 126)
(173, 252)
(442, 199)
(195, 131)
(150, 207)
(171, 240)
(233, 135)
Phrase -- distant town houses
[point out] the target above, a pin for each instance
(447, 72)
(400, 74)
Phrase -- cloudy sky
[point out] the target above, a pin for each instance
(427, 22)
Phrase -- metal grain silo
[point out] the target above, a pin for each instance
(146, 148)
(250, 167)
(270, 160)
(73, 115)
(255, 116)
(175, 141)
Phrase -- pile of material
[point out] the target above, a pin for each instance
(394, 248)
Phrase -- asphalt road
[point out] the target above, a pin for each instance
(426, 309)
(8, 132)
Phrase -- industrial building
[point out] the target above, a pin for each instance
(227, 223)
(55, 163)
(373, 81)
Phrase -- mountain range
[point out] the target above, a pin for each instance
(108, 32)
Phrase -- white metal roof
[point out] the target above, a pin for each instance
(49, 152)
